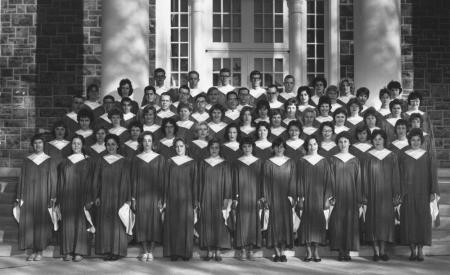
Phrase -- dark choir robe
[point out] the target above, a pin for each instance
(352, 123)
(398, 146)
(58, 150)
(309, 131)
(95, 107)
(161, 114)
(147, 185)
(278, 132)
(215, 186)
(285, 96)
(418, 175)
(231, 151)
(111, 184)
(200, 117)
(328, 149)
(340, 129)
(383, 113)
(96, 151)
(198, 149)
(247, 174)
(231, 116)
(302, 108)
(72, 194)
(217, 130)
(155, 129)
(346, 189)
(294, 149)
(257, 95)
(389, 128)
(134, 106)
(186, 130)
(88, 135)
(278, 105)
(128, 118)
(335, 106)
(165, 147)
(180, 196)
(426, 125)
(247, 131)
(121, 132)
(36, 187)
(344, 99)
(286, 121)
(381, 186)
(280, 182)
(314, 185)
(130, 149)
(103, 121)
(263, 149)
(71, 121)
(321, 119)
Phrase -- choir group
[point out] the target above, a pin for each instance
(233, 168)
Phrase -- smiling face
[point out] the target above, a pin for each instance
(415, 123)
(111, 146)
(279, 150)
(77, 145)
(165, 102)
(319, 88)
(276, 120)
(340, 119)
(38, 146)
(232, 101)
(327, 133)
(247, 149)
(414, 103)
(216, 116)
(244, 97)
(202, 131)
(324, 109)
(294, 132)
(149, 117)
(416, 142)
(313, 146)
(214, 150)
(396, 110)
(291, 110)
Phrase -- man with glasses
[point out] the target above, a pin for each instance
(159, 76)
(289, 89)
(201, 114)
(103, 120)
(272, 96)
(257, 92)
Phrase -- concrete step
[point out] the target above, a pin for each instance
(444, 225)
(444, 191)
(9, 236)
(8, 184)
(444, 210)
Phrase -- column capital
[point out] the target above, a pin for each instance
(196, 5)
(296, 6)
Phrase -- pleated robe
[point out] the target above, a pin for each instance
(214, 187)
(346, 189)
(229, 154)
(196, 152)
(279, 182)
(247, 191)
(381, 185)
(72, 194)
(37, 186)
(180, 193)
(57, 155)
(314, 185)
(418, 180)
(111, 183)
(147, 185)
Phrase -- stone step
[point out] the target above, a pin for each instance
(7, 197)
(444, 191)
(8, 184)
(8, 236)
(444, 210)
(444, 224)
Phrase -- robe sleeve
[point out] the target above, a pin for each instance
(292, 191)
(160, 178)
(301, 179)
(195, 183)
(358, 182)
(125, 185)
(365, 167)
(264, 183)
(234, 178)
(52, 179)
(96, 181)
(133, 177)
(433, 181)
(20, 186)
(403, 174)
(395, 177)
(227, 182)
(60, 183)
(329, 183)
(201, 180)
(332, 187)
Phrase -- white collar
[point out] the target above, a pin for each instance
(85, 133)
(313, 159)
(161, 90)
(73, 116)
(200, 143)
(117, 131)
(277, 131)
(59, 144)
(152, 128)
(195, 92)
(392, 120)
(364, 107)
(105, 117)
(74, 158)
(287, 120)
(415, 153)
(92, 105)
(354, 119)
(247, 129)
(275, 105)
(165, 114)
(200, 117)
(132, 144)
(187, 124)
(410, 112)
(302, 108)
(217, 127)
(98, 147)
(180, 160)
(176, 103)
(225, 89)
(327, 146)
(315, 99)
(263, 144)
(344, 156)
(261, 119)
(380, 154)
(232, 114)
(322, 119)
(373, 129)
(168, 142)
(335, 106)
(112, 158)
(154, 106)
(233, 145)
(363, 147)
(38, 158)
(249, 160)
(279, 160)
(255, 93)
(287, 96)
(384, 111)
(345, 98)
(309, 130)
(214, 161)
(128, 116)
(339, 129)
(400, 144)
(147, 157)
(295, 144)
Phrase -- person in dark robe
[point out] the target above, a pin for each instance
(354, 119)
(263, 147)
(215, 188)
(131, 146)
(279, 182)
(419, 187)
(180, 200)
(128, 115)
(309, 123)
(414, 101)
(304, 99)
(116, 117)
(150, 122)
(247, 174)
(346, 91)
(231, 148)
(70, 119)
(390, 120)
(72, 194)
(294, 144)
(328, 146)
(147, 184)
(98, 149)
(185, 124)
(216, 124)
(85, 119)
(262, 111)
(416, 122)
(314, 191)
(125, 90)
(232, 114)
(198, 148)
(385, 98)
(276, 129)
(290, 111)
(339, 120)
(169, 129)
(200, 114)
(92, 101)
(58, 148)
(400, 143)
(103, 120)
(381, 193)
(37, 187)
(362, 145)
(246, 122)
(346, 199)
(110, 191)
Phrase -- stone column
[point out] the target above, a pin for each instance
(377, 44)
(297, 40)
(197, 39)
(125, 52)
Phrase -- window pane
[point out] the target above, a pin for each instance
(320, 65)
(257, 4)
(258, 21)
(268, 8)
(320, 21)
(183, 64)
(237, 20)
(174, 50)
(174, 35)
(268, 21)
(184, 35)
(258, 36)
(174, 64)
(278, 36)
(226, 63)
(310, 21)
(320, 51)
(278, 21)
(226, 6)
(310, 6)
(236, 6)
(311, 65)
(184, 5)
(215, 79)
(174, 6)
(236, 64)
(320, 36)
(216, 6)
(184, 49)
(175, 79)
(174, 22)
(320, 6)
(216, 64)
(226, 35)
(268, 35)
(258, 64)
(226, 21)
(310, 50)
(184, 20)
(216, 20)
(216, 35)
(279, 79)
(268, 64)
(279, 6)
(237, 36)
(268, 79)
(278, 65)
(310, 36)
(183, 79)
(236, 80)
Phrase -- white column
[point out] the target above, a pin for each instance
(125, 53)
(198, 41)
(162, 37)
(377, 44)
(297, 40)
(332, 43)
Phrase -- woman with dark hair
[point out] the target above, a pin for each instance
(419, 187)
(59, 148)
(354, 119)
(340, 119)
(324, 109)
(279, 181)
(216, 124)
(263, 147)
(346, 199)
(231, 149)
(414, 101)
(215, 194)
(125, 90)
(304, 99)
(169, 129)
(400, 144)
(197, 148)
(262, 111)
(36, 188)
(98, 149)
(362, 144)
(85, 119)
(130, 148)
(290, 111)
(116, 117)
(246, 192)
(128, 115)
(150, 122)
(314, 191)
(110, 191)
(276, 129)
(389, 122)
(327, 147)
(371, 120)
(92, 101)
(147, 185)
(294, 144)
(246, 122)
(416, 122)
(72, 194)
(319, 83)
(381, 193)
(185, 124)
(180, 201)
(385, 99)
